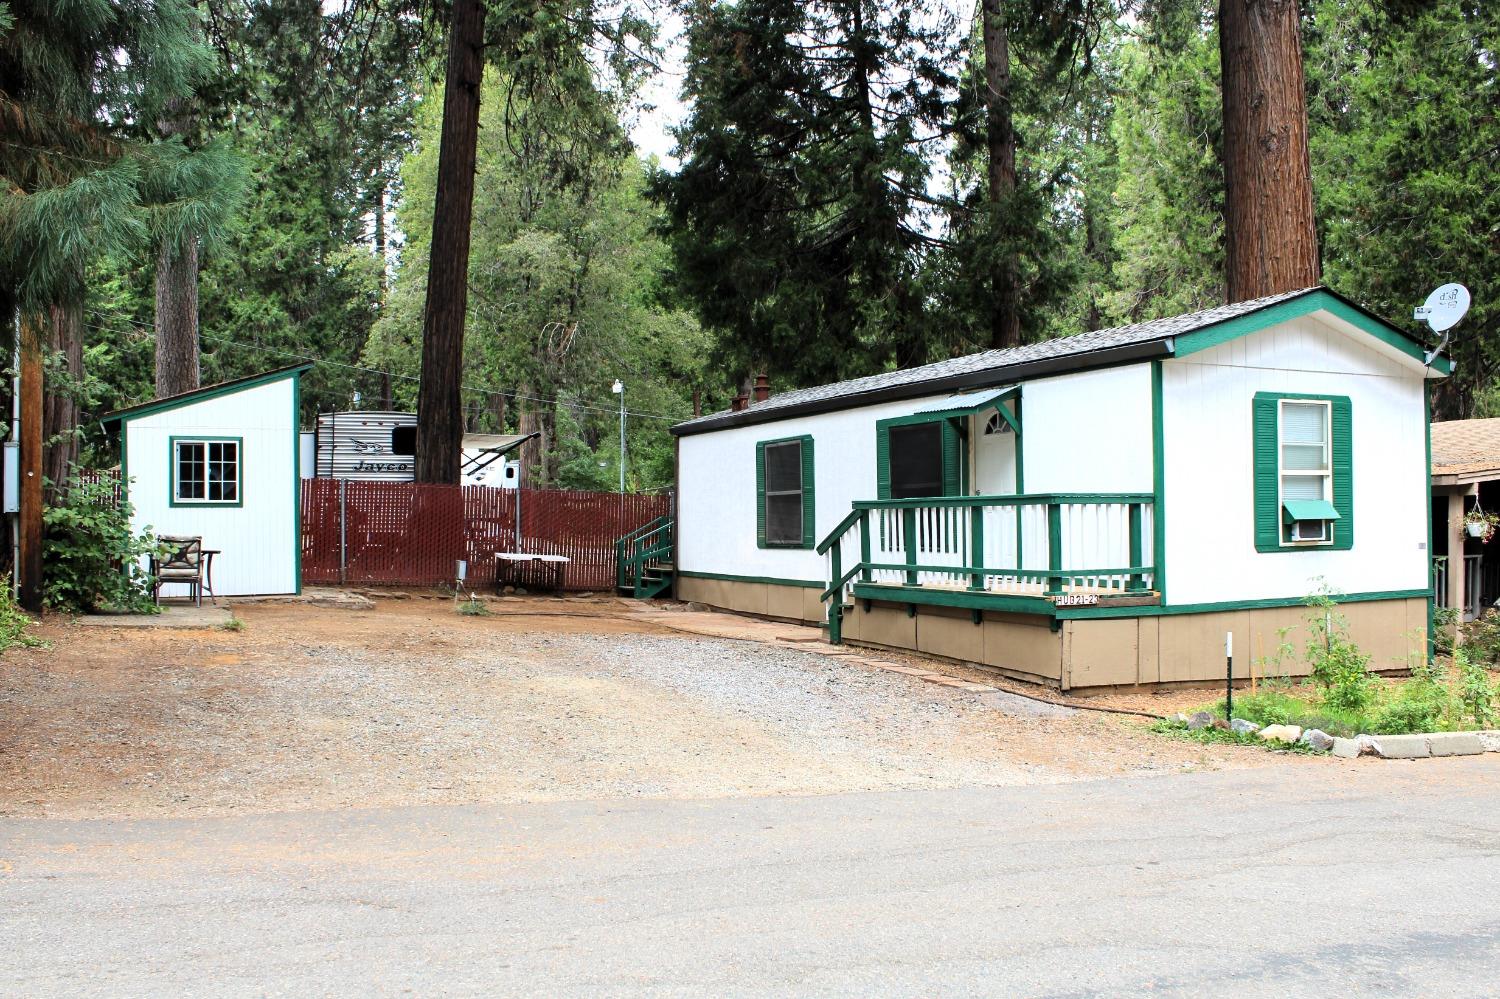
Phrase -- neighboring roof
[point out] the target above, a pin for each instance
(1097, 348)
(1466, 449)
(200, 394)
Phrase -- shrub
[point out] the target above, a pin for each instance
(1474, 689)
(1444, 620)
(1482, 638)
(1338, 666)
(91, 554)
(1405, 715)
(15, 625)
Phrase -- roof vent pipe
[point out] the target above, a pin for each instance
(738, 403)
(762, 387)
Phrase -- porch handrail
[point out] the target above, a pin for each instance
(1015, 499)
(838, 532)
(1114, 535)
(639, 547)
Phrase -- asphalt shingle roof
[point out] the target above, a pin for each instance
(1079, 345)
(1463, 447)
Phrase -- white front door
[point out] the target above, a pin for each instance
(994, 456)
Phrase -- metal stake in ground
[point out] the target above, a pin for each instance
(1228, 676)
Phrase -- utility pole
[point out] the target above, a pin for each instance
(619, 390)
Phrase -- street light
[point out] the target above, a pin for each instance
(619, 390)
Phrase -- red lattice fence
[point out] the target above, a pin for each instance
(407, 534)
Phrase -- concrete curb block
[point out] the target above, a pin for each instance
(1426, 745)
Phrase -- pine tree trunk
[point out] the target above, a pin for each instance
(60, 400)
(1271, 242)
(1000, 175)
(30, 519)
(528, 421)
(177, 318)
(439, 406)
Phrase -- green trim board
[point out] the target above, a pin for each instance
(1319, 300)
(1046, 608)
(202, 394)
(1148, 610)
(1431, 576)
(968, 599)
(239, 468)
(1269, 521)
(725, 577)
(809, 493)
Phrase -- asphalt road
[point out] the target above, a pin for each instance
(1363, 878)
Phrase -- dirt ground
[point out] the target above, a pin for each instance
(313, 707)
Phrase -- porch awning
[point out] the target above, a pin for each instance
(969, 403)
(1308, 509)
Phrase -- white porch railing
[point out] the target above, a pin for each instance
(1039, 545)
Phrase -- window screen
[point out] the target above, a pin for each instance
(916, 460)
(1306, 473)
(784, 493)
(404, 440)
(208, 471)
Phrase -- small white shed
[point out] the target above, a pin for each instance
(222, 462)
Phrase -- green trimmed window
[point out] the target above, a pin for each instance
(918, 456)
(206, 472)
(785, 514)
(1304, 481)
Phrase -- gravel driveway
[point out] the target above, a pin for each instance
(312, 707)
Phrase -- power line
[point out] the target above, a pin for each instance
(374, 371)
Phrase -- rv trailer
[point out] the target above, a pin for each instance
(379, 446)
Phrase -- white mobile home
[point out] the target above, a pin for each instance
(1093, 510)
(221, 463)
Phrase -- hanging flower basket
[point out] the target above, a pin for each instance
(1481, 525)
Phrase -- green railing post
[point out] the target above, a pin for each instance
(976, 546)
(909, 529)
(1137, 581)
(836, 609)
(1054, 549)
(864, 546)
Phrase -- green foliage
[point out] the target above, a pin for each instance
(15, 625)
(1405, 150)
(1474, 690)
(1481, 637)
(566, 291)
(84, 84)
(1219, 736)
(473, 607)
(1338, 667)
(90, 554)
(234, 624)
(1444, 620)
(797, 216)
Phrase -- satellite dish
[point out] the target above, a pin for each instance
(1444, 307)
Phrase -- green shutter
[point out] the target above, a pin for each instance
(809, 497)
(1343, 473)
(1264, 449)
(882, 461)
(953, 459)
(760, 495)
